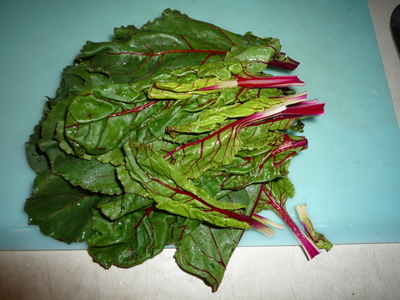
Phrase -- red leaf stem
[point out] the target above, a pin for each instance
(310, 249)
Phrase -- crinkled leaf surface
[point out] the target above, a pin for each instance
(174, 192)
(134, 154)
(170, 42)
(99, 118)
(192, 159)
(209, 119)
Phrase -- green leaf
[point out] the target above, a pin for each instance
(208, 120)
(281, 190)
(133, 154)
(206, 251)
(61, 210)
(58, 113)
(118, 207)
(95, 114)
(73, 77)
(89, 174)
(37, 159)
(173, 41)
(177, 90)
(252, 53)
(135, 237)
(174, 192)
(260, 164)
(218, 148)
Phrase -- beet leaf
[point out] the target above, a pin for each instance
(170, 134)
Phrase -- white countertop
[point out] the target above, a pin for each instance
(346, 272)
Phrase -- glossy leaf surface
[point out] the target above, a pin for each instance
(169, 134)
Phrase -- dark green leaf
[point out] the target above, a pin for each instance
(61, 210)
(133, 238)
(37, 159)
(89, 174)
(171, 42)
(118, 207)
(174, 192)
(133, 154)
(206, 251)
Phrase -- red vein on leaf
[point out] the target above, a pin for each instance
(145, 214)
(205, 271)
(238, 122)
(220, 262)
(240, 217)
(135, 109)
(221, 259)
(169, 52)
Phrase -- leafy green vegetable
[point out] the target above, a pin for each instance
(169, 136)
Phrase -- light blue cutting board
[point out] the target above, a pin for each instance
(348, 177)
